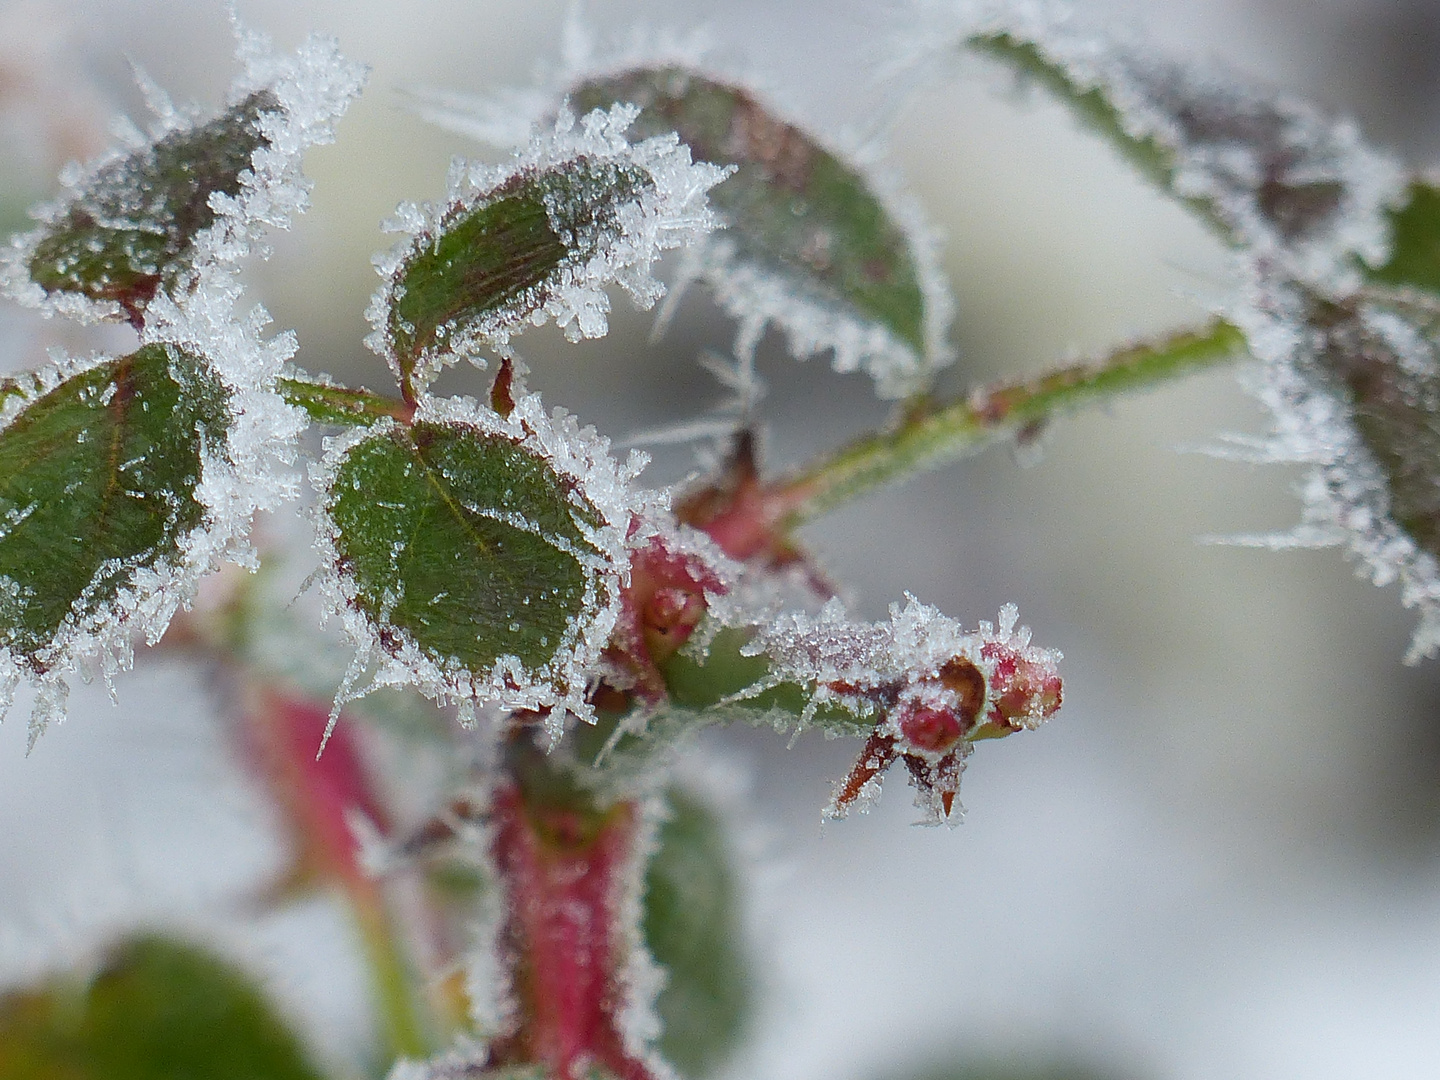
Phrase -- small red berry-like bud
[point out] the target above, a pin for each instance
(933, 730)
(1025, 689)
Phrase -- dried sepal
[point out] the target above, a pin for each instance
(476, 557)
(818, 242)
(123, 481)
(1278, 178)
(537, 239)
(147, 216)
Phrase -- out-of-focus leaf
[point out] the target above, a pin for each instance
(794, 210)
(1393, 386)
(157, 1010)
(692, 925)
(1415, 242)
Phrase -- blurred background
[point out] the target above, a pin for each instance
(1221, 860)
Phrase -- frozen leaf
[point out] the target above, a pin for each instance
(811, 243)
(693, 929)
(476, 556)
(1355, 390)
(99, 479)
(538, 239)
(817, 241)
(157, 1008)
(124, 481)
(1274, 175)
(142, 218)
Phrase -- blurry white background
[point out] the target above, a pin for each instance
(1221, 860)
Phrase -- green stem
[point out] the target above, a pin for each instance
(934, 436)
(409, 1028)
(340, 405)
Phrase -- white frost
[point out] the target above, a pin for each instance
(1295, 188)
(249, 472)
(312, 88)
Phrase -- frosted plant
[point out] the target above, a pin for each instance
(533, 636)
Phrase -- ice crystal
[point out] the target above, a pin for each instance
(579, 461)
(786, 259)
(1286, 183)
(609, 208)
(151, 214)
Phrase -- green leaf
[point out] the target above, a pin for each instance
(794, 209)
(491, 265)
(692, 925)
(130, 229)
(157, 1010)
(339, 406)
(1415, 242)
(470, 548)
(98, 482)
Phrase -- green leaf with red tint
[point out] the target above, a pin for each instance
(98, 493)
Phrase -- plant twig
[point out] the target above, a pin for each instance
(929, 438)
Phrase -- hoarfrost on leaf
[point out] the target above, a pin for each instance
(1354, 389)
(127, 480)
(1282, 181)
(537, 239)
(149, 215)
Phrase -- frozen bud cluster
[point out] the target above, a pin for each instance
(478, 557)
(818, 242)
(537, 239)
(930, 688)
(149, 215)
